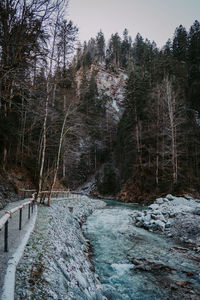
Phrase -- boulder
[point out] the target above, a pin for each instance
(188, 197)
(146, 225)
(170, 197)
(172, 214)
(154, 206)
(158, 217)
(167, 225)
(196, 211)
(159, 201)
(160, 225)
(140, 214)
(139, 219)
(147, 218)
(165, 200)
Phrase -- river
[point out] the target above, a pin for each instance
(133, 263)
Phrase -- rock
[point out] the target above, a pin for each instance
(158, 217)
(159, 201)
(154, 206)
(140, 214)
(170, 197)
(196, 211)
(165, 200)
(181, 283)
(147, 218)
(138, 224)
(139, 219)
(188, 197)
(172, 214)
(167, 225)
(160, 224)
(146, 225)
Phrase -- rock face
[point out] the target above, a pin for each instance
(175, 216)
(110, 84)
(94, 144)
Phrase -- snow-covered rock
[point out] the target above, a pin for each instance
(170, 197)
(154, 206)
(177, 216)
(197, 211)
(159, 201)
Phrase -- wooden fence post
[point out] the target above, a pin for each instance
(6, 237)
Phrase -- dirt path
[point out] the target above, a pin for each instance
(15, 236)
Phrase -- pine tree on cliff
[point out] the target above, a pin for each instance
(100, 42)
(180, 44)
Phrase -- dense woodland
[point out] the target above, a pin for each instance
(55, 127)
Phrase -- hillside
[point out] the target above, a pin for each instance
(120, 111)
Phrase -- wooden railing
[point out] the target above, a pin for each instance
(25, 194)
(9, 213)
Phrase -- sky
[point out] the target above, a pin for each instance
(153, 19)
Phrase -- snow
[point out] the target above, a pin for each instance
(175, 216)
(58, 254)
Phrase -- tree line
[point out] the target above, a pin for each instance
(53, 128)
(158, 135)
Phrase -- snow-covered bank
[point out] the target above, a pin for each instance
(55, 264)
(178, 217)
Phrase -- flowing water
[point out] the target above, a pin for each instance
(133, 263)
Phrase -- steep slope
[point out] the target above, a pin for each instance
(98, 121)
(109, 84)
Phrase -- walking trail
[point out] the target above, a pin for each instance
(15, 243)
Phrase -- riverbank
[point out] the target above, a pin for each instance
(134, 263)
(126, 261)
(56, 263)
(176, 217)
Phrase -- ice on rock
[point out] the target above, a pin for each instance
(159, 201)
(154, 206)
(169, 197)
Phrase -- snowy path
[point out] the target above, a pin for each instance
(15, 237)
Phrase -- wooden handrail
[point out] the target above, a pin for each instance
(8, 213)
(3, 220)
(46, 191)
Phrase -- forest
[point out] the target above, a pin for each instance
(55, 121)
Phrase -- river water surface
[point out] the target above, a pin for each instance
(133, 263)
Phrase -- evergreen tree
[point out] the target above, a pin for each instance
(194, 68)
(180, 44)
(138, 49)
(125, 49)
(100, 41)
(114, 50)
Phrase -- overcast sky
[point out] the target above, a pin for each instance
(153, 19)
